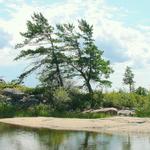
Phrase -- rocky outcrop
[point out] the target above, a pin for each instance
(29, 101)
(126, 112)
(112, 111)
(17, 97)
(13, 93)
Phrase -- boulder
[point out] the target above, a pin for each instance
(126, 112)
(29, 101)
(112, 111)
(87, 111)
(14, 93)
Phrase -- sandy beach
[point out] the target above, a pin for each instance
(105, 125)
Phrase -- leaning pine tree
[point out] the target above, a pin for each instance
(44, 50)
(83, 55)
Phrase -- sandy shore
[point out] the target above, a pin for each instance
(106, 125)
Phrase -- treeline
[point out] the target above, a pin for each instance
(72, 102)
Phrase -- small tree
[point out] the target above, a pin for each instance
(128, 78)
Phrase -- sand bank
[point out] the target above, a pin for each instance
(105, 125)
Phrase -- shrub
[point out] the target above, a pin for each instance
(61, 99)
(97, 99)
(143, 108)
(121, 100)
(79, 101)
(7, 110)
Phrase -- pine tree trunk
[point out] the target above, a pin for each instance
(90, 90)
(130, 88)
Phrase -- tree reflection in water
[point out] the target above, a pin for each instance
(16, 138)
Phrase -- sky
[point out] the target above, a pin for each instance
(121, 30)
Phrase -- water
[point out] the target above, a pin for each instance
(16, 138)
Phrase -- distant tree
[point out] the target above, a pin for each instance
(141, 91)
(83, 55)
(128, 78)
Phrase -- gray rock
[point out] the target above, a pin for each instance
(126, 112)
(28, 101)
(87, 111)
(2, 81)
(112, 111)
(17, 94)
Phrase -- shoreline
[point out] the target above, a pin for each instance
(123, 125)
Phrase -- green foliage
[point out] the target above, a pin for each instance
(141, 91)
(79, 100)
(143, 108)
(83, 55)
(97, 99)
(78, 115)
(121, 100)
(39, 110)
(48, 56)
(61, 99)
(7, 110)
(15, 86)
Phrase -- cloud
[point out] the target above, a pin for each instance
(122, 44)
(4, 39)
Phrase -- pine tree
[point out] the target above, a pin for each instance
(83, 55)
(44, 49)
(128, 78)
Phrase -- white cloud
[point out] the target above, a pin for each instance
(124, 45)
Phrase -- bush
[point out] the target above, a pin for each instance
(79, 101)
(97, 99)
(7, 110)
(61, 99)
(121, 100)
(143, 108)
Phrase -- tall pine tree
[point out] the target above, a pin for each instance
(83, 55)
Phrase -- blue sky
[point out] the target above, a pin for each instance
(138, 10)
(121, 29)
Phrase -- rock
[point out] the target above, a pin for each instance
(14, 93)
(126, 112)
(29, 101)
(2, 81)
(112, 111)
(87, 111)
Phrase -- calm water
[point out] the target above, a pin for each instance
(16, 138)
